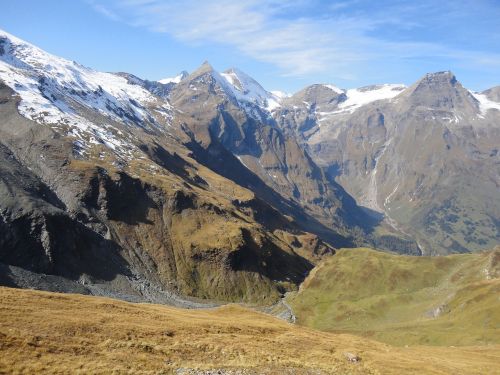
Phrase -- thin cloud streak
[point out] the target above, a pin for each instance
(298, 46)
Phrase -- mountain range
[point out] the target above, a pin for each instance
(208, 186)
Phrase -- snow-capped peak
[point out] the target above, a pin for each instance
(175, 79)
(246, 89)
(29, 71)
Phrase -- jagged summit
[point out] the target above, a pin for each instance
(205, 79)
(235, 84)
(205, 67)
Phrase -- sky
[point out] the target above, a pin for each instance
(285, 45)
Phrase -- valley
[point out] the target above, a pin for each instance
(201, 224)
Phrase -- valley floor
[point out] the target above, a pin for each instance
(50, 333)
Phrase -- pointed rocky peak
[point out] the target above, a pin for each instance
(445, 79)
(442, 91)
(204, 77)
(202, 69)
(207, 76)
(204, 85)
(182, 75)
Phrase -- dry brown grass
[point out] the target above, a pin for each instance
(49, 333)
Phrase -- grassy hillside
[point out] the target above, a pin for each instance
(49, 333)
(452, 300)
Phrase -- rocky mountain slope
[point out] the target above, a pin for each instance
(425, 157)
(102, 192)
(229, 124)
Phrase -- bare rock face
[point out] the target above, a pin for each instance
(441, 91)
(298, 113)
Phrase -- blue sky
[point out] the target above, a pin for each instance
(285, 45)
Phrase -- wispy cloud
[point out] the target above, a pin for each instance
(103, 10)
(307, 37)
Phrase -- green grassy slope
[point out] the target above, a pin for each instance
(452, 300)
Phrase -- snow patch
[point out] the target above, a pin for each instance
(246, 89)
(280, 94)
(335, 89)
(175, 79)
(357, 98)
(485, 104)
